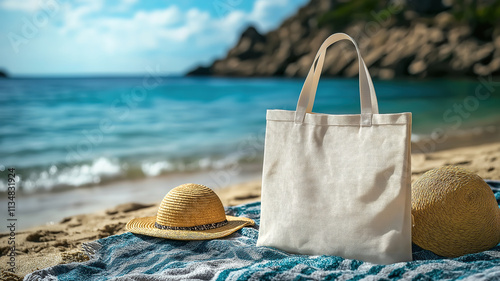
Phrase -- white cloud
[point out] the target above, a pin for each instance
(264, 12)
(21, 5)
(74, 17)
(163, 17)
(145, 30)
(88, 35)
(149, 29)
(171, 24)
(124, 5)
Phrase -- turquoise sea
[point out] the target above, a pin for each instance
(67, 133)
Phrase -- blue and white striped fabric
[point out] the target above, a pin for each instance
(137, 257)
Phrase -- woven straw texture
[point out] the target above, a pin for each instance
(189, 205)
(455, 212)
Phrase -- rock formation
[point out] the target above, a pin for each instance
(395, 41)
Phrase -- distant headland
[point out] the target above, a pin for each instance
(415, 39)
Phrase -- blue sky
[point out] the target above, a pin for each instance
(92, 37)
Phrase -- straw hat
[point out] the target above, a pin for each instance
(189, 212)
(455, 212)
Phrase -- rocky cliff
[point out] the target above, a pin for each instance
(413, 39)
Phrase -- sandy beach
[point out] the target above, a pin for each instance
(108, 105)
(45, 246)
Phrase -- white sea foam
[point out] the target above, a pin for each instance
(74, 176)
(3, 186)
(110, 169)
(228, 161)
(156, 168)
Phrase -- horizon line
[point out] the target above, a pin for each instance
(111, 75)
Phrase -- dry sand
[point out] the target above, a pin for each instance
(45, 246)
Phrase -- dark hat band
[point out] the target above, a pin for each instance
(193, 228)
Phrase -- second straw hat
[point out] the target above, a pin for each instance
(189, 212)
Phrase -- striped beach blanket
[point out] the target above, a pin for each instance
(136, 257)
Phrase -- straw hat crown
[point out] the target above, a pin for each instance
(190, 205)
(455, 212)
(189, 212)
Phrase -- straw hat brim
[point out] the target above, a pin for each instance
(146, 226)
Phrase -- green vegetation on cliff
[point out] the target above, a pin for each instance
(412, 38)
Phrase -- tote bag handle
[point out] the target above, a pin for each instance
(368, 98)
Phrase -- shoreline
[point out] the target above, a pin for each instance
(47, 245)
(436, 139)
(48, 208)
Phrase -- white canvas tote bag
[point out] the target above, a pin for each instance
(337, 184)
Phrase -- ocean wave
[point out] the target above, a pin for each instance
(105, 170)
(55, 176)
